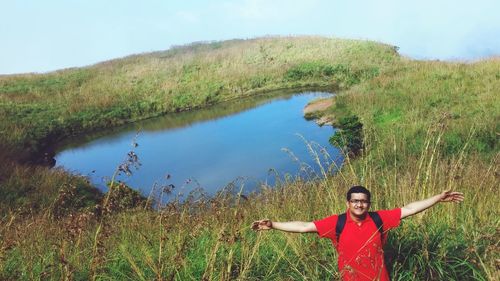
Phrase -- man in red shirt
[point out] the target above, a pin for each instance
(359, 235)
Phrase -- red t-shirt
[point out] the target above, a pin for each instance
(360, 250)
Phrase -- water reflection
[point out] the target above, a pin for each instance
(181, 119)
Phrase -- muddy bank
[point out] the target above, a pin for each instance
(317, 110)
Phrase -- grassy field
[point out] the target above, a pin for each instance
(427, 126)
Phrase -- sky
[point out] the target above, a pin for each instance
(42, 36)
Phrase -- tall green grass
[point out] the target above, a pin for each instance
(210, 238)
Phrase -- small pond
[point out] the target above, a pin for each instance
(247, 142)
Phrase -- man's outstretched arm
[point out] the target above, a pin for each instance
(419, 206)
(291, 226)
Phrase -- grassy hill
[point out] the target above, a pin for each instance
(39, 109)
(427, 126)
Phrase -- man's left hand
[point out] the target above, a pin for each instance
(451, 196)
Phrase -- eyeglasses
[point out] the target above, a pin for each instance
(357, 201)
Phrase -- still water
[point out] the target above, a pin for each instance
(248, 142)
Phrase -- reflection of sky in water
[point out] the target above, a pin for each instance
(213, 153)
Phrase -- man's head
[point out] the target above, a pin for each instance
(358, 201)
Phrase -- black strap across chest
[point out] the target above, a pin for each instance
(339, 227)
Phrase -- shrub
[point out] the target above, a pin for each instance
(343, 74)
(122, 197)
(349, 137)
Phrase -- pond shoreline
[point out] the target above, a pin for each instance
(47, 153)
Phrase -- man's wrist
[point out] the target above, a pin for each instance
(440, 196)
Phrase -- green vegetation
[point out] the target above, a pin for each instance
(426, 126)
(341, 74)
(349, 137)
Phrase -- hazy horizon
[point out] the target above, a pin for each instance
(56, 34)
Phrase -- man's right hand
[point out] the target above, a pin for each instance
(262, 225)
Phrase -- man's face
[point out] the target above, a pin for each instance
(358, 205)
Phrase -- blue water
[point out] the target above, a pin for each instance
(248, 142)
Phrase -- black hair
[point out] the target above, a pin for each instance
(358, 189)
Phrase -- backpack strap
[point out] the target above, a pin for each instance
(375, 217)
(378, 223)
(340, 225)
